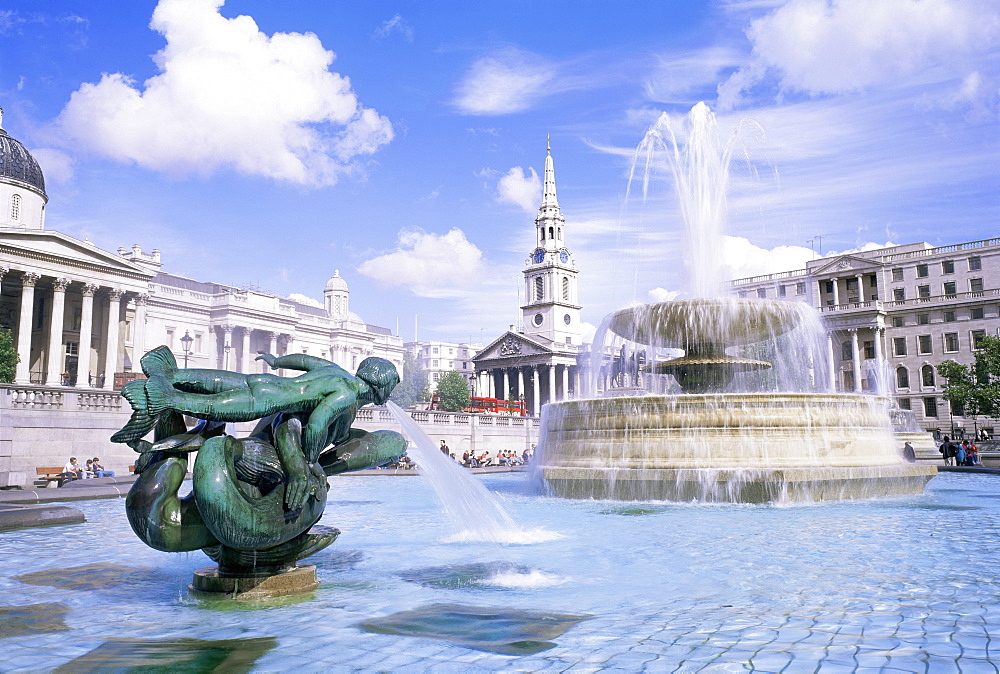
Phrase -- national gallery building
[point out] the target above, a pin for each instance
(82, 316)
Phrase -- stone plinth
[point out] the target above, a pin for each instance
(298, 580)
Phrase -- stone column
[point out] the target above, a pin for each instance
(878, 333)
(86, 335)
(552, 382)
(272, 348)
(565, 383)
(245, 356)
(861, 287)
(819, 295)
(856, 360)
(505, 394)
(536, 377)
(54, 358)
(111, 351)
(833, 361)
(139, 329)
(23, 372)
(836, 292)
(520, 384)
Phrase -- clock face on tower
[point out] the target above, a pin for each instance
(563, 256)
(538, 255)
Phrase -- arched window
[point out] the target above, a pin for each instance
(560, 233)
(565, 286)
(927, 375)
(15, 208)
(543, 234)
(552, 233)
(539, 288)
(902, 377)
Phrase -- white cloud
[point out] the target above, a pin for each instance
(306, 300)
(431, 265)
(841, 46)
(742, 259)
(231, 96)
(505, 81)
(662, 295)
(525, 191)
(57, 166)
(396, 24)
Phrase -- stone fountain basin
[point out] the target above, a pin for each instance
(725, 447)
(702, 322)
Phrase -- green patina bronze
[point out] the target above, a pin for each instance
(254, 499)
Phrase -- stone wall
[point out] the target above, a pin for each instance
(44, 426)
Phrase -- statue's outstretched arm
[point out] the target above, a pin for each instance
(338, 407)
(294, 361)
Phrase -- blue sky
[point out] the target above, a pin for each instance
(267, 144)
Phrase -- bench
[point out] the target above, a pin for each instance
(46, 475)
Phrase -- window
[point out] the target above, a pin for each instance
(957, 408)
(848, 381)
(949, 317)
(852, 284)
(975, 313)
(923, 292)
(923, 319)
(800, 288)
(977, 337)
(465, 365)
(761, 292)
(899, 294)
(451, 352)
(434, 350)
(742, 293)
(902, 377)
(949, 288)
(434, 363)
(899, 346)
(197, 342)
(782, 292)
(873, 281)
(846, 353)
(930, 407)
(975, 263)
(539, 288)
(924, 344)
(897, 274)
(922, 271)
(948, 267)
(951, 342)
(904, 403)
(927, 375)
(897, 321)
(435, 376)
(565, 286)
(976, 285)
(72, 348)
(15, 208)
(869, 349)
(829, 286)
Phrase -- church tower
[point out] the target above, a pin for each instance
(551, 312)
(335, 297)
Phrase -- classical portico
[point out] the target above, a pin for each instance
(516, 367)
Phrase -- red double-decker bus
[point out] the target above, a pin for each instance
(515, 408)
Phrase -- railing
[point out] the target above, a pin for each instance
(34, 397)
(770, 277)
(868, 304)
(955, 248)
(949, 298)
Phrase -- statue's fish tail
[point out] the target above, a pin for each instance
(159, 361)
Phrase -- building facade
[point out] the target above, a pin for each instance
(894, 314)
(538, 363)
(82, 316)
(436, 358)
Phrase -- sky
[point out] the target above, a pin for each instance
(402, 143)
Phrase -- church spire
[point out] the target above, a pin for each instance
(549, 194)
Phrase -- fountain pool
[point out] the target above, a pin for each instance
(901, 583)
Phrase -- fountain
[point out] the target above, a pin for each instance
(756, 419)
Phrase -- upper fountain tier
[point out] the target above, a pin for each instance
(690, 324)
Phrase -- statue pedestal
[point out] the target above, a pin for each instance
(300, 579)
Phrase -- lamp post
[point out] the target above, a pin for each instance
(227, 348)
(186, 343)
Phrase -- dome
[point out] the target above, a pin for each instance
(335, 282)
(17, 165)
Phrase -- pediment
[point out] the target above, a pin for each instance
(844, 264)
(60, 252)
(511, 345)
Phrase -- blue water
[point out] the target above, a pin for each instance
(907, 583)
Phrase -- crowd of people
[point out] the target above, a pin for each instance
(964, 453)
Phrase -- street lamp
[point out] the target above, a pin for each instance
(227, 348)
(186, 343)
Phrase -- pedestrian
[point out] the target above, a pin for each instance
(444, 449)
(908, 452)
(947, 450)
